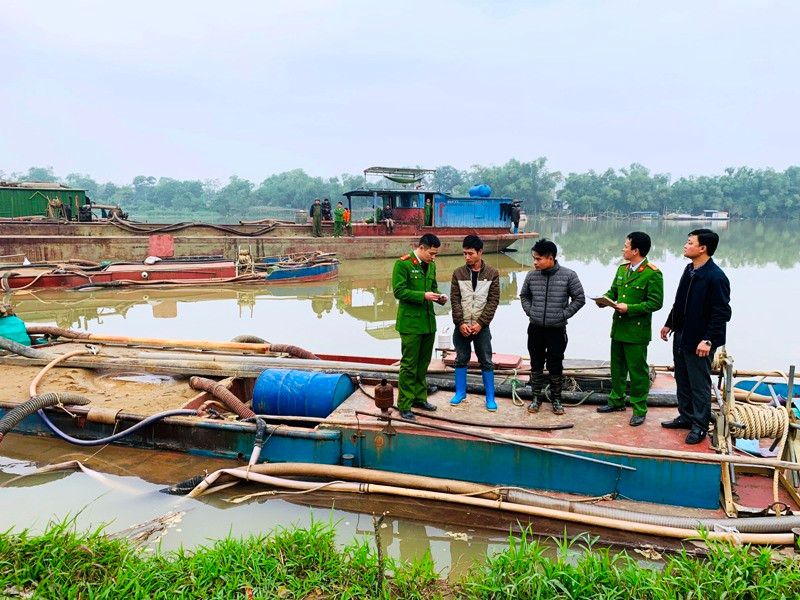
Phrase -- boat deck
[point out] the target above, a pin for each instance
(122, 393)
(512, 419)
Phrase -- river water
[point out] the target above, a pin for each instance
(354, 314)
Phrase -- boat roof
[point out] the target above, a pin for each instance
(397, 171)
(40, 185)
(367, 191)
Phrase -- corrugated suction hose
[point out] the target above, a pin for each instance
(223, 394)
(17, 348)
(15, 415)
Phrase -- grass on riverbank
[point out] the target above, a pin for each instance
(306, 563)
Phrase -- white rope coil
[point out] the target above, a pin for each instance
(759, 421)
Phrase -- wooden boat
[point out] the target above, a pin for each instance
(48, 238)
(761, 390)
(193, 271)
(316, 266)
(707, 215)
(583, 454)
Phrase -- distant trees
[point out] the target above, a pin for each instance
(743, 191)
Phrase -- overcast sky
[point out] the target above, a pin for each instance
(199, 90)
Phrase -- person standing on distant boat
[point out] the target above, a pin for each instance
(338, 220)
(638, 290)
(516, 212)
(551, 295)
(414, 286)
(428, 213)
(327, 212)
(388, 218)
(474, 296)
(698, 321)
(348, 223)
(315, 212)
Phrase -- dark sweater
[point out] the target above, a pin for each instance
(702, 306)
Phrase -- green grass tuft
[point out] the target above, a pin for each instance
(306, 563)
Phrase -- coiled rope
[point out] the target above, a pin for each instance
(515, 384)
(756, 421)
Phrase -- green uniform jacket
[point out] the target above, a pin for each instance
(643, 292)
(338, 215)
(409, 282)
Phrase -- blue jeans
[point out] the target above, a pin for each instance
(483, 349)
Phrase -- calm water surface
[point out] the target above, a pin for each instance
(355, 315)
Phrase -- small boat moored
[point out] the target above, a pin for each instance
(85, 275)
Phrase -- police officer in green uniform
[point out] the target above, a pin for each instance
(638, 290)
(414, 286)
(315, 212)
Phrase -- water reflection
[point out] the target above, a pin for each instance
(363, 290)
(355, 314)
(124, 491)
(78, 310)
(366, 289)
(742, 243)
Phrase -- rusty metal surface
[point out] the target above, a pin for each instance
(59, 244)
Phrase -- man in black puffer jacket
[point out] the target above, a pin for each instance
(550, 296)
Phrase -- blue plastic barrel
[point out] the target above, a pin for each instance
(480, 191)
(295, 393)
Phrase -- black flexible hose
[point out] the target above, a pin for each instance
(184, 487)
(17, 348)
(35, 404)
(261, 432)
(121, 434)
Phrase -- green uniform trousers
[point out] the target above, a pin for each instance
(316, 226)
(337, 228)
(629, 359)
(412, 385)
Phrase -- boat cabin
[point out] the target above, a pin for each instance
(408, 206)
(716, 215)
(645, 215)
(408, 203)
(40, 199)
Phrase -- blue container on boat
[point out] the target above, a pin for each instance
(480, 191)
(295, 393)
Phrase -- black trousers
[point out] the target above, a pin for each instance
(547, 345)
(693, 382)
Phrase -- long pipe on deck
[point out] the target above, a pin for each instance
(782, 539)
(317, 364)
(198, 344)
